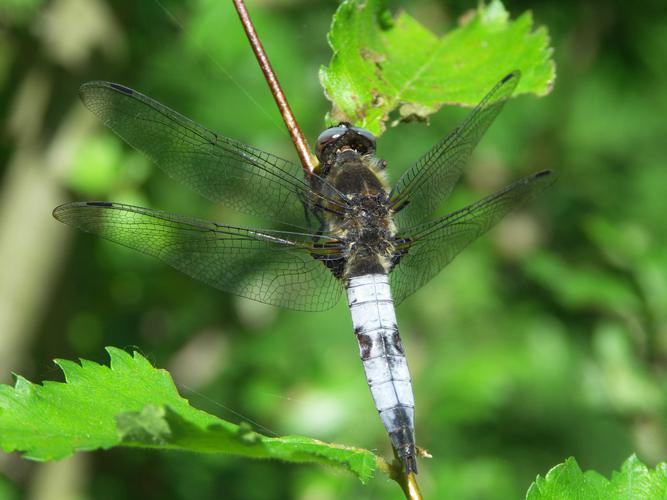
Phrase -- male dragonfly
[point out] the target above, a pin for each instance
(351, 231)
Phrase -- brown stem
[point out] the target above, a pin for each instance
(407, 482)
(308, 161)
(411, 488)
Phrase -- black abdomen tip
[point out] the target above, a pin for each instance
(410, 464)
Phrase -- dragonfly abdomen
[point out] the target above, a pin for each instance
(386, 367)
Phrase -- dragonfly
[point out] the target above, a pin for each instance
(343, 229)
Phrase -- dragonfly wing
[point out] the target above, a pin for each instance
(428, 182)
(274, 267)
(431, 246)
(220, 169)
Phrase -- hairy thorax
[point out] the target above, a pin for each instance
(366, 226)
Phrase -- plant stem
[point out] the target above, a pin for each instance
(412, 491)
(308, 160)
(407, 482)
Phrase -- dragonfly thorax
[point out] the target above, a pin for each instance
(368, 229)
(368, 217)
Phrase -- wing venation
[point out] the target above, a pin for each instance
(422, 188)
(430, 247)
(275, 267)
(221, 169)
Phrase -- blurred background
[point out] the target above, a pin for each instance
(545, 339)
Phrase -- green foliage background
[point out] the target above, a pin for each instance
(546, 339)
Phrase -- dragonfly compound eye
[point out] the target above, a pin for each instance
(344, 136)
(329, 136)
(369, 138)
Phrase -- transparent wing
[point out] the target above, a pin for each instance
(430, 247)
(275, 267)
(426, 184)
(220, 169)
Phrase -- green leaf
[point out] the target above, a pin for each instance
(131, 403)
(566, 481)
(386, 65)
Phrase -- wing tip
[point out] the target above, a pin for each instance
(93, 84)
(515, 73)
(547, 176)
(544, 177)
(87, 87)
(59, 213)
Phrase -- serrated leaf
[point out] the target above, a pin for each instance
(131, 403)
(162, 427)
(636, 480)
(566, 481)
(384, 65)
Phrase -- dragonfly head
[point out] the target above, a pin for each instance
(343, 137)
